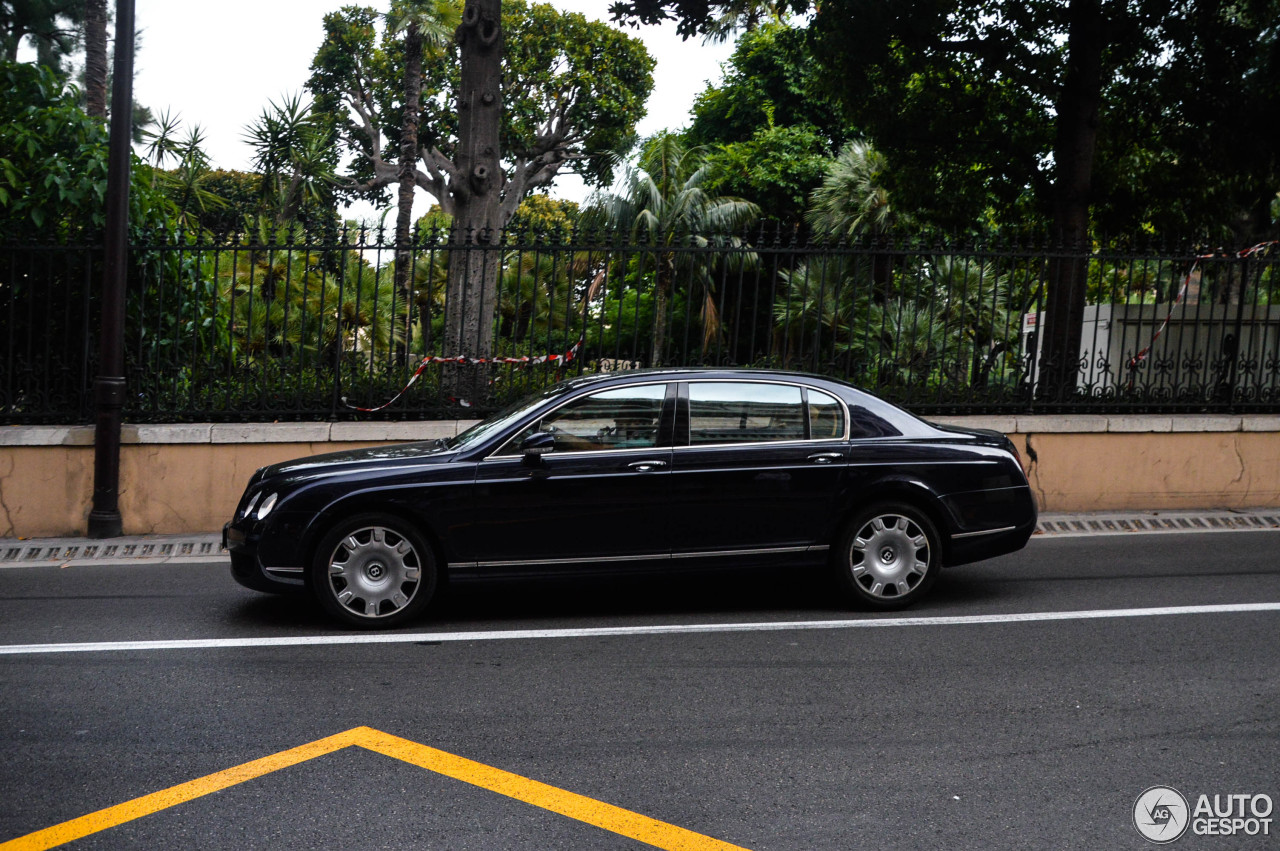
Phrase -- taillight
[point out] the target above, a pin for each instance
(1017, 457)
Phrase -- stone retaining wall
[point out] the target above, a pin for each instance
(180, 479)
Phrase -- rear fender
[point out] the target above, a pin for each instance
(906, 490)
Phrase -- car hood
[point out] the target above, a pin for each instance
(353, 460)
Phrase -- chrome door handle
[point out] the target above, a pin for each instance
(646, 466)
(826, 457)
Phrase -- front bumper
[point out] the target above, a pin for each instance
(248, 570)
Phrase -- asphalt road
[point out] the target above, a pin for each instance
(966, 728)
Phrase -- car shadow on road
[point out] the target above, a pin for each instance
(782, 593)
(749, 592)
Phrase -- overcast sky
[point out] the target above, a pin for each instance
(218, 66)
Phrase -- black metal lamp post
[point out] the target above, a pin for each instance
(109, 386)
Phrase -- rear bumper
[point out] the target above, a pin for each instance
(989, 523)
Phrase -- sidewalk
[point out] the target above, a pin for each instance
(193, 549)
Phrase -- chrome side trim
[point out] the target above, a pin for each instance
(285, 571)
(538, 561)
(808, 443)
(815, 548)
(753, 552)
(984, 532)
(585, 453)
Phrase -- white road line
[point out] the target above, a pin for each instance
(604, 632)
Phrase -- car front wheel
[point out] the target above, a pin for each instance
(374, 571)
(888, 557)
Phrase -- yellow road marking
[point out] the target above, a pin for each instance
(614, 819)
(69, 831)
(606, 816)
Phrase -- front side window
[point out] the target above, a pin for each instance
(622, 418)
(744, 412)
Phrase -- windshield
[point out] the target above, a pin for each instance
(507, 416)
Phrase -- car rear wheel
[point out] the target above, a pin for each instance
(889, 556)
(374, 571)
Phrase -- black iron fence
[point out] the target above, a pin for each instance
(299, 328)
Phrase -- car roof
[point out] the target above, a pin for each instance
(686, 373)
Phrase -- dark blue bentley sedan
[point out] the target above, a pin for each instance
(641, 470)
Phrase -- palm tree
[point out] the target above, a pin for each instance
(852, 202)
(184, 183)
(292, 152)
(665, 204)
(95, 58)
(744, 16)
(852, 199)
(428, 26)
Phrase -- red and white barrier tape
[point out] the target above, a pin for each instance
(566, 357)
(1136, 360)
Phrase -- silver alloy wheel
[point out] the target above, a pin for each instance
(889, 556)
(374, 572)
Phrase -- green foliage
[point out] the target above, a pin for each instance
(184, 183)
(777, 168)
(667, 205)
(1187, 141)
(240, 193)
(852, 198)
(573, 91)
(51, 26)
(53, 164)
(943, 324)
(964, 100)
(287, 303)
(293, 151)
(771, 80)
(542, 217)
(559, 66)
(666, 198)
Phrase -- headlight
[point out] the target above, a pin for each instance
(248, 509)
(267, 504)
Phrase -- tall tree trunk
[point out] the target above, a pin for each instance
(95, 58)
(471, 292)
(408, 176)
(1078, 106)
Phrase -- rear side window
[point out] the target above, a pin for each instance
(826, 416)
(759, 412)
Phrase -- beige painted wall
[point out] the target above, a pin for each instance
(1113, 472)
(179, 482)
(47, 491)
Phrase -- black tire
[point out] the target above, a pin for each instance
(888, 557)
(374, 571)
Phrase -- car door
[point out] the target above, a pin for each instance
(758, 466)
(600, 494)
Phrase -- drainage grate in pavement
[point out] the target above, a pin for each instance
(1163, 521)
(73, 551)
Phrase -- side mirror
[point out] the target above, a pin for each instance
(533, 446)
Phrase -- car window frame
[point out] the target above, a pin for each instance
(680, 439)
(666, 424)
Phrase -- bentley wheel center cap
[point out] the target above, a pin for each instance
(887, 555)
(375, 571)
